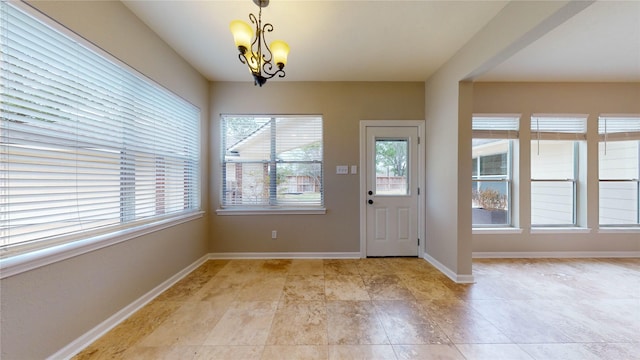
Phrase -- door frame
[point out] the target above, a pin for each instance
(420, 124)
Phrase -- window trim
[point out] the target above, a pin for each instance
(559, 230)
(628, 133)
(603, 140)
(637, 224)
(37, 258)
(269, 209)
(498, 126)
(273, 211)
(619, 230)
(509, 187)
(575, 183)
(20, 257)
(496, 230)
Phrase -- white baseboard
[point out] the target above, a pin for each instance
(94, 334)
(286, 255)
(460, 279)
(555, 254)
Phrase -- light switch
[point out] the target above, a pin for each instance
(354, 169)
(342, 169)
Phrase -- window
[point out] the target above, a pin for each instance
(619, 168)
(88, 145)
(272, 162)
(554, 169)
(492, 149)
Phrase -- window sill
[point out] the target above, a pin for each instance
(277, 211)
(560, 230)
(619, 230)
(16, 264)
(496, 231)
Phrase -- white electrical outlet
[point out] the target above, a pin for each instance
(274, 234)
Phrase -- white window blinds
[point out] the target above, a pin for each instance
(272, 161)
(619, 127)
(495, 126)
(86, 143)
(554, 127)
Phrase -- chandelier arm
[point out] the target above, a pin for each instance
(267, 75)
(270, 68)
(253, 18)
(244, 60)
(266, 55)
(257, 24)
(280, 73)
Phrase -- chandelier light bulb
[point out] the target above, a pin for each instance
(280, 51)
(242, 34)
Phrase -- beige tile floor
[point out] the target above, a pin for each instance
(388, 308)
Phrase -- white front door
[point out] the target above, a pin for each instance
(391, 190)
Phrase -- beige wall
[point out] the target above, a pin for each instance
(449, 98)
(592, 99)
(342, 106)
(43, 310)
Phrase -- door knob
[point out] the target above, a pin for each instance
(370, 192)
(370, 201)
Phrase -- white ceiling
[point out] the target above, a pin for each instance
(601, 43)
(394, 40)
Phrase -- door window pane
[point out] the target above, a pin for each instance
(391, 167)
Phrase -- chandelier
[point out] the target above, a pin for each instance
(263, 61)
